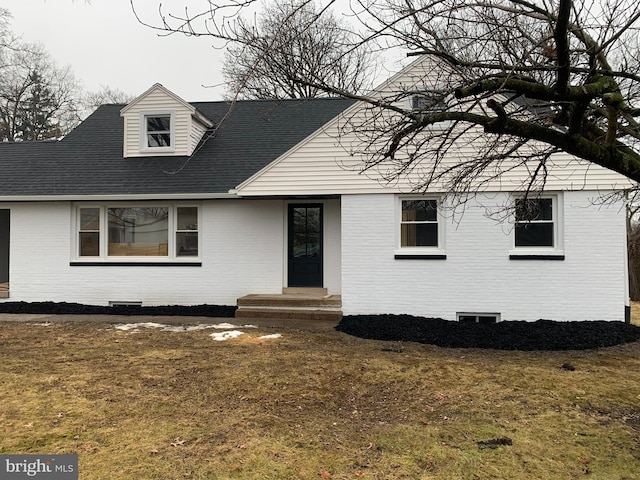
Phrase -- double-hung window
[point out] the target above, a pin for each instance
(421, 229)
(187, 231)
(535, 226)
(538, 228)
(157, 132)
(89, 232)
(163, 232)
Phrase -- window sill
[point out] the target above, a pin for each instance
(133, 263)
(152, 150)
(539, 255)
(420, 255)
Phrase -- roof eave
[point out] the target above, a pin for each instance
(117, 197)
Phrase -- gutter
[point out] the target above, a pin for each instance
(117, 197)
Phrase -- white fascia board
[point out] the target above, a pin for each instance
(122, 197)
(202, 119)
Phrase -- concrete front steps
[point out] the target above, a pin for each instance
(292, 304)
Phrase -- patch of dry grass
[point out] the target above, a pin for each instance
(162, 405)
(635, 313)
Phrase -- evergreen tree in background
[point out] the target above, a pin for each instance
(37, 115)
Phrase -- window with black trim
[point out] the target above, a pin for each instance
(420, 230)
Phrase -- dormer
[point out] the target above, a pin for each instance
(160, 123)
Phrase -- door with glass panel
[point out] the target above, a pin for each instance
(305, 245)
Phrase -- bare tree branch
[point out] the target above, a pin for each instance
(521, 80)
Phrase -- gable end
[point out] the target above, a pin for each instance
(159, 123)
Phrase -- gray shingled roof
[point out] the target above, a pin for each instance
(89, 160)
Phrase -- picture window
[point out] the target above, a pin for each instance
(113, 232)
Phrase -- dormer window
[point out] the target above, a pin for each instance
(157, 132)
(159, 124)
(430, 102)
(427, 103)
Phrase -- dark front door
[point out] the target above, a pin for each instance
(4, 246)
(305, 245)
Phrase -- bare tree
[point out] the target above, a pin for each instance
(6, 38)
(522, 79)
(633, 249)
(92, 100)
(107, 94)
(292, 40)
(38, 98)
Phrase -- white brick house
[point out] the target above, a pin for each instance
(157, 203)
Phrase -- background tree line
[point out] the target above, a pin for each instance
(39, 99)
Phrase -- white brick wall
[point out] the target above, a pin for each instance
(242, 251)
(241, 245)
(477, 275)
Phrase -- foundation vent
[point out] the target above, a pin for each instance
(477, 317)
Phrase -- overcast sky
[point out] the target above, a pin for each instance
(106, 46)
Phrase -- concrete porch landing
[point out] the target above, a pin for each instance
(292, 304)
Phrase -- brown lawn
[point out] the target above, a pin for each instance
(154, 404)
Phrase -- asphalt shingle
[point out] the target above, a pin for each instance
(89, 161)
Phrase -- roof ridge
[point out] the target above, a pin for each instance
(272, 100)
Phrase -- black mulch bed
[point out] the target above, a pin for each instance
(62, 308)
(539, 335)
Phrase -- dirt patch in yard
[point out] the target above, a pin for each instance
(540, 335)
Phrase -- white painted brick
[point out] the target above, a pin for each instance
(242, 251)
(477, 275)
